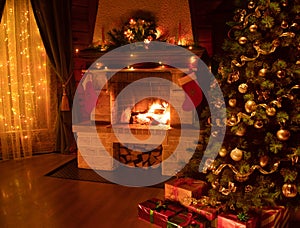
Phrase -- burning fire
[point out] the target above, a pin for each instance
(157, 114)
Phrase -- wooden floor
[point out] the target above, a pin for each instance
(28, 198)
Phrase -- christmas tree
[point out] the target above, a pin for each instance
(259, 74)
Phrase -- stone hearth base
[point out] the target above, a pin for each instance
(105, 158)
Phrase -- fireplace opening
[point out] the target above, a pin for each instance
(149, 111)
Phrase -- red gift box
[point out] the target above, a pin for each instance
(231, 221)
(187, 219)
(158, 211)
(181, 188)
(274, 217)
(208, 212)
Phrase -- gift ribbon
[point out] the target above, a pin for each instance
(191, 220)
(188, 219)
(151, 214)
(159, 206)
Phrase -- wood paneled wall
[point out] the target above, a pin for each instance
(208, 20)
(83, 22)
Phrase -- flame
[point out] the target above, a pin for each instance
(158, 114)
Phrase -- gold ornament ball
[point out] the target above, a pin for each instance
(232, 121)
(271, 111)
(262, 72)
(223, 152)
(258, 124)
(243, 88)
(280, 74)
(242, 40)
(251, 5)
(283, 134)
(284, 24)
(253, 28)
(263, 160)
(232, 102)
(236, 154)
(289, 190)
(250, 106)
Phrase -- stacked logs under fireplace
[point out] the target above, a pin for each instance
(133, 157)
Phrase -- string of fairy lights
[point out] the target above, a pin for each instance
(24, 83)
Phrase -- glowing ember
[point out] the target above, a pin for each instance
(158, 114)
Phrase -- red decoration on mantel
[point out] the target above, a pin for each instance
(90, 97)
(193, 92)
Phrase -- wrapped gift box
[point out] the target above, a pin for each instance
(231, 221)
(274, 217)
(158, 211)
(206, 211)
(181, 188)
(187, 220)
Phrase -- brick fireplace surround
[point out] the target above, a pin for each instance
(104, 151)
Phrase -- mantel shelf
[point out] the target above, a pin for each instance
(139, 70)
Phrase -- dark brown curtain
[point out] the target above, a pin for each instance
(53, 18)
(2, 4)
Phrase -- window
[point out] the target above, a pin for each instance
(25, 94)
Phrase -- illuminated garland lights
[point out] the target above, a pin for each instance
(275, 44)
(242, 177)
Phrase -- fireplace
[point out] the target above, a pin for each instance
(132, 107)
(148, 129)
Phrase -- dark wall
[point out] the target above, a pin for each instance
(220, 16)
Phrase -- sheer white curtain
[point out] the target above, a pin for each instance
(25, 118)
